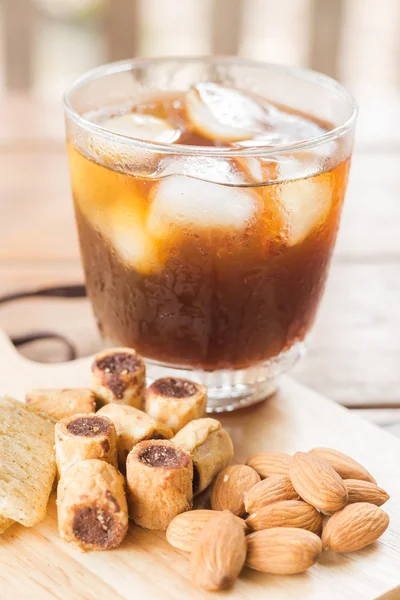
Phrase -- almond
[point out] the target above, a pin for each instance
(288, 513)
(365, 491)
(354, 527)
(230, 485)
(269, 463)
(268, 491)
(218, 553)
(346, 467)
(282, 551)
(184, 529)
(317, 482)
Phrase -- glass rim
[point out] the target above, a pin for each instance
(185, 149)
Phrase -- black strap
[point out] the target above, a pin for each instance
(68, 291)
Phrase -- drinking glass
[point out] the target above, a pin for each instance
(207, 277)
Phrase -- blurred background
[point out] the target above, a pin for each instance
(45, 44)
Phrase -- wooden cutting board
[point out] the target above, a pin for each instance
(36, 565)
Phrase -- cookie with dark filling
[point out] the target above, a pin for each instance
(119, 375)
(159, 479)
(82, 437)
(176, 401)
(133, 426)
(92, 507)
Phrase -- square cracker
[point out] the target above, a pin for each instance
(27, 463)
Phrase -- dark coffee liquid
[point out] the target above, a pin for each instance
(207, 297)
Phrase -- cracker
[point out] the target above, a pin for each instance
(60, 403)
(27, 463)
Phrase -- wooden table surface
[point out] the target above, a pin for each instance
(355, 345)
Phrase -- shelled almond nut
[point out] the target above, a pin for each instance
(230, 486)
(288, 513)
(282, 551)
(268, 491)
(185, 528)
(365, 491)
(218, 553)
(354, 527)
(346, 467)
(269, 463)
(317, 482)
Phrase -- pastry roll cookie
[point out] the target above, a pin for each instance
(119, 375)
(210, 447)
(60, 403)
(133, 426)
(91, 505)
(81, 437)
(159, 478)
(175, 401)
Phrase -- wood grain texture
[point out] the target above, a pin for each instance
(37, 564)
(368, 232)
(37, 213)
(354, 348)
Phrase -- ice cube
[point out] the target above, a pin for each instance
(132, 242)
(285, 128)
(305, 204)
(121, 222)
(143, 127)
(295, 127)
(207, 168)
(183, 202)
(134, 246)
(281, 167)
(325, 150)
(259, 170)
(297, 165)
(266, 140)
(224, 114)
(120, 156)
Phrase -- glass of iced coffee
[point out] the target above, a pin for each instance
(208, 194)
